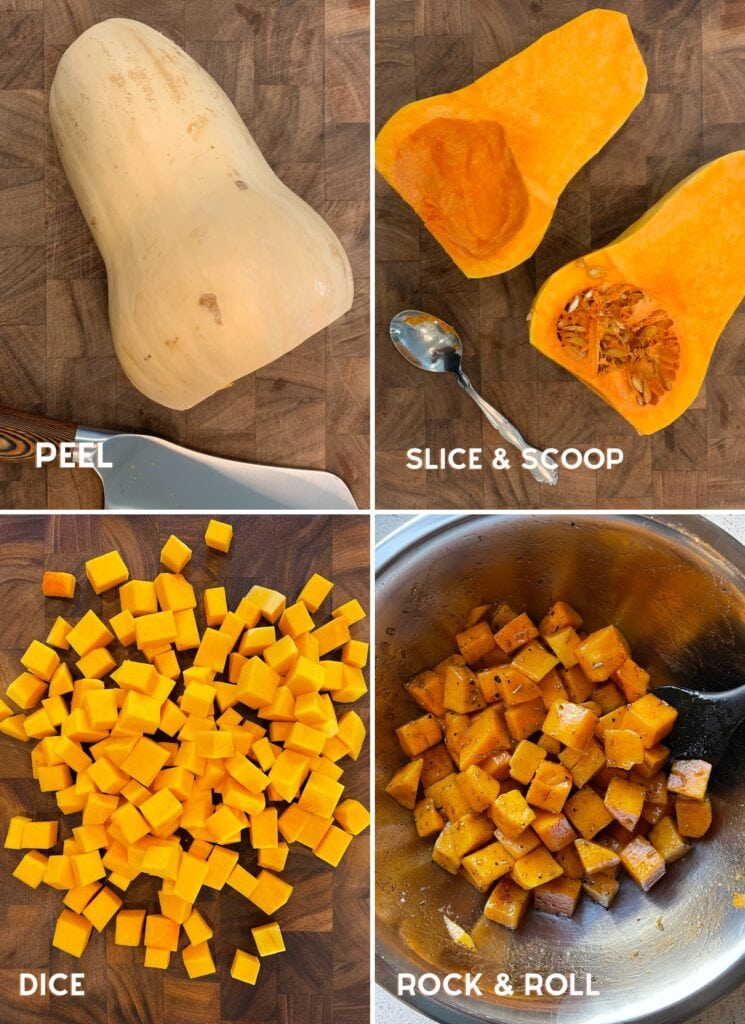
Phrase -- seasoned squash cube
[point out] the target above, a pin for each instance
(516, 633)
(559, 896)
(526, 758)
(594, 857)
(625, 800)
(485, 733)
(427, 819)
(601, 889)
(559, 616)
(602, 653)
(689, 778)
(651, 718)
(587, 812)
(693, 817)
(511, 813)
(564, 643)
(623, 748)
(534, 661)
(461, 692)
(553, 829)
(484, 867)
(633, 680)
(571, 724)
(535, 868)
(514, 687)
(507, 904)
(475, 642)
(643, 862)
(583, 764)
(550, 787)
(405, 783)
(525, 719)
(668, 842)
(479, 789)
(418, 735)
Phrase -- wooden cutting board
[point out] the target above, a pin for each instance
(694, 111)
(297, 71)
(323, 978)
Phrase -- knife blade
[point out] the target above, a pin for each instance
(152, 473)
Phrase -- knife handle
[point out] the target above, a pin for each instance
(20, 431)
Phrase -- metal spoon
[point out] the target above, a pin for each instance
(431, 344)
(706, 720)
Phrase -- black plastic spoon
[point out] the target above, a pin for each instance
(705, 722)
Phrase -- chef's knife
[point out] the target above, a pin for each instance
(148, 472)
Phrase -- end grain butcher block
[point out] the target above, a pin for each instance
(693, 111)
(296, 73)
(323, 978)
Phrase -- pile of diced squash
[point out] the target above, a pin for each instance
(170, 766)
(539, 767)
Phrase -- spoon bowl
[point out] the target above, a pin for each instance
(430, 344)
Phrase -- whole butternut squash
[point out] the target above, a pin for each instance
(215, 268)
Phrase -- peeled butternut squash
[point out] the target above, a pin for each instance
(484, 166)
(638, 320)
(215, 268)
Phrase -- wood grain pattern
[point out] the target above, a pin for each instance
(694, 111)
(323, 978)
(297, 71)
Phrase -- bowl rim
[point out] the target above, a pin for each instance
(698, 532)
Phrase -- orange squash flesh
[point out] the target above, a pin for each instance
(638, 320)
(484, 166)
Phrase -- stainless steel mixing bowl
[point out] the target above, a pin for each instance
(676, 588)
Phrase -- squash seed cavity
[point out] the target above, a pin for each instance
(622, 329)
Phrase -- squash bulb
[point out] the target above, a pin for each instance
(215, 268)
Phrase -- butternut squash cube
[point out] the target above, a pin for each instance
(40, 660)
(174, 554)
(130, 925)
(58, 584)
(245, 967)
(315, 592)
(651, 718)
(594, 857)
(668, 842)
(475, 642)
(553, 829)
(57, 636)
(333, 845)
(268, 939)
(484, 867)
(693, 817)
(587, 812)
(511, 813)
(418, 735)
(526, 758)
(427, 819)
(88, 633)
(571, 724)
(559, 616)
(405, 783)
(218, 536)
(525, 719)
(623, 748)
(485, 733)
(30, 869)
(515, 687)
(215, 605)
(161, 932)
(479, 789)
(550, 787)
(102, 908)
(564, 643)
(689, 778)
(71, 933)
(625, 800)
(535, 868)
(559, 896)
(583, 764)
(633, 680)
(534, 661)
(516, 633)
(138, 597)
(461, 692)
(271, 892)
(507, 904)
(106, 571)
(601, 889)
(643, 862)
(602, 653)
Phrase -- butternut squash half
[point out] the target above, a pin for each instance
(638, 320)
(215, 268)
(484, 166)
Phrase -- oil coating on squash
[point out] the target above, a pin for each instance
(484, 166)
(638, 320)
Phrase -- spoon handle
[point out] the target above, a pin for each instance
(545, 471)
